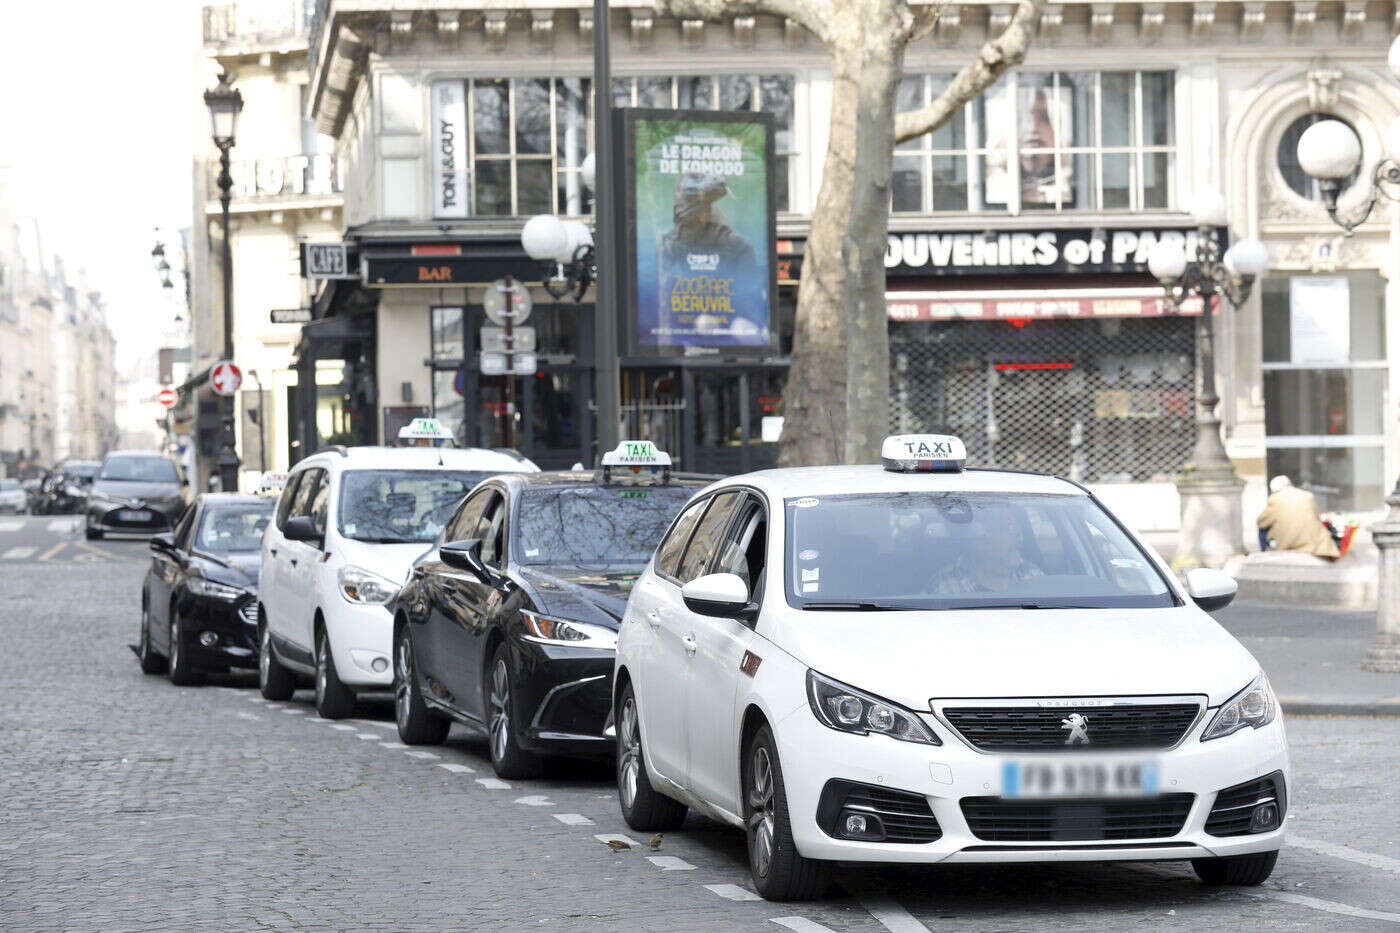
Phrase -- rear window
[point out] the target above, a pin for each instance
(139, 470)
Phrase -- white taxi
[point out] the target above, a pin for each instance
(916, 662)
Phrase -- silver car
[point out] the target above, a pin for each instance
(12, 497)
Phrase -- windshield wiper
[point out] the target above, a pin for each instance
(851, 607)
(1013, 606)
(388, 540)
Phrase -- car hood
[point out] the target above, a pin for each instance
(390, 561)
(239, 568)
(123, 489)
(914, 656)
(598, 596)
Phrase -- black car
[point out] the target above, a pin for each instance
(199, 607)
(509, 622)
(134, 492)
(64, 490)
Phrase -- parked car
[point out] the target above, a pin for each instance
(64, 489)
(199, 597)
(348, 525)
(12, 497)
(134, 492)
(922, 664)
(509, 623)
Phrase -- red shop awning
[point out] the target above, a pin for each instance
(1033, 304)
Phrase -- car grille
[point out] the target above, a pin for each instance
(248, 612)
(1234, 806)
(1000, 820)
(1016, 728)
(906, 816)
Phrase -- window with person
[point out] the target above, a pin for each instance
(233, 528)
(401, 506)
(706, 539)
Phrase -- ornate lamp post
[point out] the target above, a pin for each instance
(225, 102)
(1330, 152)
(1211, 512)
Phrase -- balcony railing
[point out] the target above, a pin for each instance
(257, 21)
(283, 177)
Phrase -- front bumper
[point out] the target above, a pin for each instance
(234, 625)
(106, 517)
(360, 636)
(812, 754)
(563, 698)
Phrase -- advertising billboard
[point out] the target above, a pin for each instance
(698, 231)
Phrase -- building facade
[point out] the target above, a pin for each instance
(1021, 313)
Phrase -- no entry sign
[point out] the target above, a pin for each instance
(225, 377)
(168, 397)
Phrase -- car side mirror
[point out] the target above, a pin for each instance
(163, 543)
(1211, 589)
(465, 556)
(722, 595)
(302, 528)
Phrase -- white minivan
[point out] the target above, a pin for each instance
(348, 526)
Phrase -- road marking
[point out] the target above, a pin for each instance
(420, 754)
(11, 526)
(627, 841)
(573, 819)
(892, 916)
(733, 892)
(318, 719)
(1317, 903)
(249, 716)
(670, 863)
(370, 736)
(392, 745)
(341, 727)
(18, 553)
(1369, 859)
(376, 723)
(493, 783)
(63, 524)
(800, 924)
(100, 554)
(455, 768)
(535, 800)
(48, 555)
(291, 711)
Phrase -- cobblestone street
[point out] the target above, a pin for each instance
(133, 804)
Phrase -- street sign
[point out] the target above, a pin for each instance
(168, 397)
(507, 299)
(494, 364)
(493, 339)
(225, 377)
(525, 364)
(327, 261)
(291, 315)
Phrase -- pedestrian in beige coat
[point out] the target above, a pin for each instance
(1292, 521)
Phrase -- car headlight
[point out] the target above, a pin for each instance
(1254, 706)
(358, 585)
(202, 587)
(847, 709)
(567, 631)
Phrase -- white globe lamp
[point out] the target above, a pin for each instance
(1247, 257)
(1329, 150)
(1391, 140)
(1208, 208)
(577, 235)
(545, 238)
(1393, 59)
(589, 171)
(1166, 260)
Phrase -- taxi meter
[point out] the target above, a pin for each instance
(424, 432)
(640, 459)
(923, 453)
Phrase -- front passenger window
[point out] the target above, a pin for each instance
(705, 541)
(492, 532)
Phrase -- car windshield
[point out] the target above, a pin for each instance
(965, 550)
(401, 506)
(594, 526)
(139, 470)
(233, 527)
(9, 485)
(81, 470)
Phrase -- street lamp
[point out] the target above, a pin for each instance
(225, 103)
(1211, 511)
(565, 247)
(1330, 152)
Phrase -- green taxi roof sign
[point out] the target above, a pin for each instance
(640, 458)
(424, 429)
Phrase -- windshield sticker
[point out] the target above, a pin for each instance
(807, 554)
(806, 502)
(633, 493)
(810, 587)
(811, 575)
(532, 552)
(350, 528)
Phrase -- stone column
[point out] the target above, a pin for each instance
(1211, 518)
(1383, 654)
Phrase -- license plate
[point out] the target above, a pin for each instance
(133, 515)
(1089, 777)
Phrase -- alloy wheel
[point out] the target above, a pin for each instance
(265, 658)
(500, 710)
(145, 644)
(175, 651)
(630, 758)
(321, 662)
(403, 688)
(761, 819)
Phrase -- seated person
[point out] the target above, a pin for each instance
(1292, 521)
(989, 562)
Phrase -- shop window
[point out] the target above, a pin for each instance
(1049, 141)
(446, 336)
(554, 410)
(1300, 181)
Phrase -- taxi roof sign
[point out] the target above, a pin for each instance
(424, 429)
(923, 453)
(639, 456)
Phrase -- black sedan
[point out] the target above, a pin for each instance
(508, 624)
(134, 492)
(199, 599)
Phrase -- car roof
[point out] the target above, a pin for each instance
(837, 480)
(567, 478)
(419, 458)
(233, 498)
(150, 454)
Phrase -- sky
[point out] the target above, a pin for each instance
(97, 124)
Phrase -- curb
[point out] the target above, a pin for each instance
(1326, 708)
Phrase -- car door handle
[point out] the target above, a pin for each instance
(272, 551)
(690, 644)
(654, 619)
(292, 561)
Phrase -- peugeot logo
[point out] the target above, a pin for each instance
(138, 503)
(1078, 728)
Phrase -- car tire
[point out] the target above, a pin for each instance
(779, 871)
(507, 757)
(92, 534)
(151, 663)
(417, 724)
(275, 682)
(334, 700)
(644, 807)
(1254, 868)
(182, 672)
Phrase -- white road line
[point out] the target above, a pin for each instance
(414, 753)
(1369, 859)
(291, 711)
(376, 723)
(573, 819)
(800, 924)
(318, 719)
(249, 716)
(392, 745)
(733, 892)
(606, 838)
(11, 526)
(341, 727)
(1317, 903)
(493, 783)
(670, 863)
(534, 800)
(62, 524)
(18, 553)
(892, 916)
(368, 736)
(455, 768)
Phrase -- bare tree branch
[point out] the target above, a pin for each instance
(925, 21)
(815, 15)
(1005, 51)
